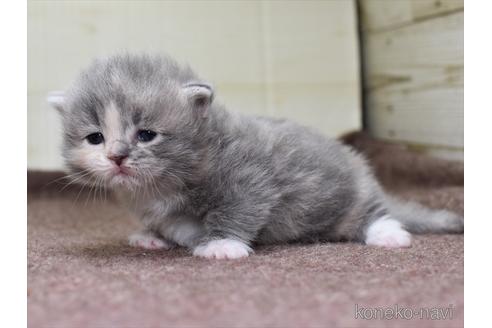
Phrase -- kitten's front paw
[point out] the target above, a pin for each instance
(387, 232)
(148, 240)
(223, 249)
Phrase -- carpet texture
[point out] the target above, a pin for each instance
(81, 273)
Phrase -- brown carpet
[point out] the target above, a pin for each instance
(81, 273)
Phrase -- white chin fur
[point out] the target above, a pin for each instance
(223, 249)
(387, 232)
(123, 181)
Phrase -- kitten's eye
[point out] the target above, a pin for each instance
(146, 135)
(95, 138)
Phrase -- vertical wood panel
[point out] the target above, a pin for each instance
(314, 63)
(414, 75)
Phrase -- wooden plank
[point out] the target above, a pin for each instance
(427, 8)
(380, 15)
(433, 116)
(414, 82)
(423, 55)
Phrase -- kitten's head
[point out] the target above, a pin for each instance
(133, 121)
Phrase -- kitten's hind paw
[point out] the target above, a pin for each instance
(223, 249)
(148, 240)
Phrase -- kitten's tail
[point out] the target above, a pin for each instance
(418, 219)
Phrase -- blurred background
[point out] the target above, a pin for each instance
(393, 68)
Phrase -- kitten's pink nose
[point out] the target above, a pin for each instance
(117, 159)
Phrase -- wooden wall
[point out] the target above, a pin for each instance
(413, 67)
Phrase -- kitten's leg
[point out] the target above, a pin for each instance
(149, 240)
(387, 232)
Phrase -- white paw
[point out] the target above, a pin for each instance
(387, 232)
(223, 249)
(148, 241)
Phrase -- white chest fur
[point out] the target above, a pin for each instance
(158, 215)
(183, 231)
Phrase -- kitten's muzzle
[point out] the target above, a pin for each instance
(118, 159)
(118, 152)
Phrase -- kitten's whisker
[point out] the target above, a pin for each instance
(101, 189)
(65, 177)
(155, 185)
(105, 191)
(90, 193)
(179, 182)
(78, 195)
(77, 179)
(97, 190)
(102, 186)
(95, 184)
(149, 181)
(144, 185)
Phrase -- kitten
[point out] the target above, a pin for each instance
(219, 183)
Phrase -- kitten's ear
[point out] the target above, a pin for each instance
(57, 100)
(200, 95)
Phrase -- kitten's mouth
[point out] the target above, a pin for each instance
(122, 171)
(122, 176)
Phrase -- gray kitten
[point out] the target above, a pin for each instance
(217, 182)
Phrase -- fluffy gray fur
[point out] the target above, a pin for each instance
(214, 174)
